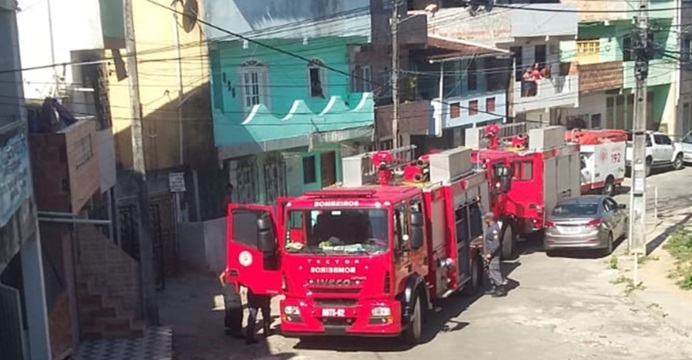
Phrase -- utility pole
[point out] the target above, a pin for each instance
(395, 73)
(146, 249)
(637, 220)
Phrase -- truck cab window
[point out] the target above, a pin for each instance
(400, 227)
(523, 170)
(475, 221)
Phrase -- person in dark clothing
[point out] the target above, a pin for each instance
(233, 319)
(492, 250)
(257, 302)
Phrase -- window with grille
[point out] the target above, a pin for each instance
(254, 84)
(588, 47)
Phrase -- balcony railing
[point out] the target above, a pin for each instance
(556, 91)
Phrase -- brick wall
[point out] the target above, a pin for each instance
(115, 273)
(59, 326)
(600, 76)
(65, 167)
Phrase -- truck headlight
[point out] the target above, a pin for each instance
(381, 311)
(291, 310)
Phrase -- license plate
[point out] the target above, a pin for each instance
(333, 313)
(569, 229)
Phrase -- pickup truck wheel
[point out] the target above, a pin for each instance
(509, 242)
(678, 164)
(647, 169)
(609, 187)
(412, 335)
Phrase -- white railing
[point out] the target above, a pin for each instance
(546, 93)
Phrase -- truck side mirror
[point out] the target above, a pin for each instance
(266, 238)
(416, 239)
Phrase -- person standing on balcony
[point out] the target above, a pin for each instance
(527, 82)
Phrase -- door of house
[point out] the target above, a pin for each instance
(328, 168)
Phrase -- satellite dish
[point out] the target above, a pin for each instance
(190, 14)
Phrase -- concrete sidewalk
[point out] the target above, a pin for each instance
(659, 295)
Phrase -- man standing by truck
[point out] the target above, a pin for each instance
(492, 248)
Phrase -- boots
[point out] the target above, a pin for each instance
(491, 291)
(500, 291)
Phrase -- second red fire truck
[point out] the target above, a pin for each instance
(368, 257)
(542, 169)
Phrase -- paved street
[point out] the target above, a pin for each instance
(561, 309)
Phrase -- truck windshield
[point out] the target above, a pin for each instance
(346, 232)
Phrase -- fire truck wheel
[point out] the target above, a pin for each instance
(412, 335)
(474, 284)
(609, 187)
(509, 242)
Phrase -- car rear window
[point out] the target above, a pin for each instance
(575, 209)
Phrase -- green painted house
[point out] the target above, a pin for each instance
(603, 52)
(286, 110)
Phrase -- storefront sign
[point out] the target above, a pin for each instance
(15, 185)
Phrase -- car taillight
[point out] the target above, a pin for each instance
(595, 223)
(387, 286)
(549, 224)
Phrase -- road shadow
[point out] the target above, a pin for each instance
(622, 190)
(443, 318)
(654, 243)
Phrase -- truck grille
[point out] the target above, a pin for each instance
(336, 302)
(334, 290)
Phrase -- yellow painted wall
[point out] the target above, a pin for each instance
(157, 63)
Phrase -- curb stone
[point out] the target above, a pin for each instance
(660, 314)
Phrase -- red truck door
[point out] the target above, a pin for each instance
(253, 257)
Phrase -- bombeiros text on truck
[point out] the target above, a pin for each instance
(367, 257)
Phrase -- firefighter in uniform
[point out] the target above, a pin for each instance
(255, 304)
(492, 251)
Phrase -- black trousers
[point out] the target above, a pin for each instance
(258, 303)
(233, 320)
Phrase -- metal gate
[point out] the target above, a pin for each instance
(12, 330)
(162, 225)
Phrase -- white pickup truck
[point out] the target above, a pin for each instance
(661, 152)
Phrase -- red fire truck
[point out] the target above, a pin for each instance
(367, 257)
(542, 168)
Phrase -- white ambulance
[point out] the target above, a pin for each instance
(602, 159)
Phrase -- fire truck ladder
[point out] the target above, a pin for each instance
(477, 138)
(365, 169)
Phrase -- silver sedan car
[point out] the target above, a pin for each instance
(585, 222)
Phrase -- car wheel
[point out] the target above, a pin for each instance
(609, 188)
(610, 247)
(678, 164)
(647, 170)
